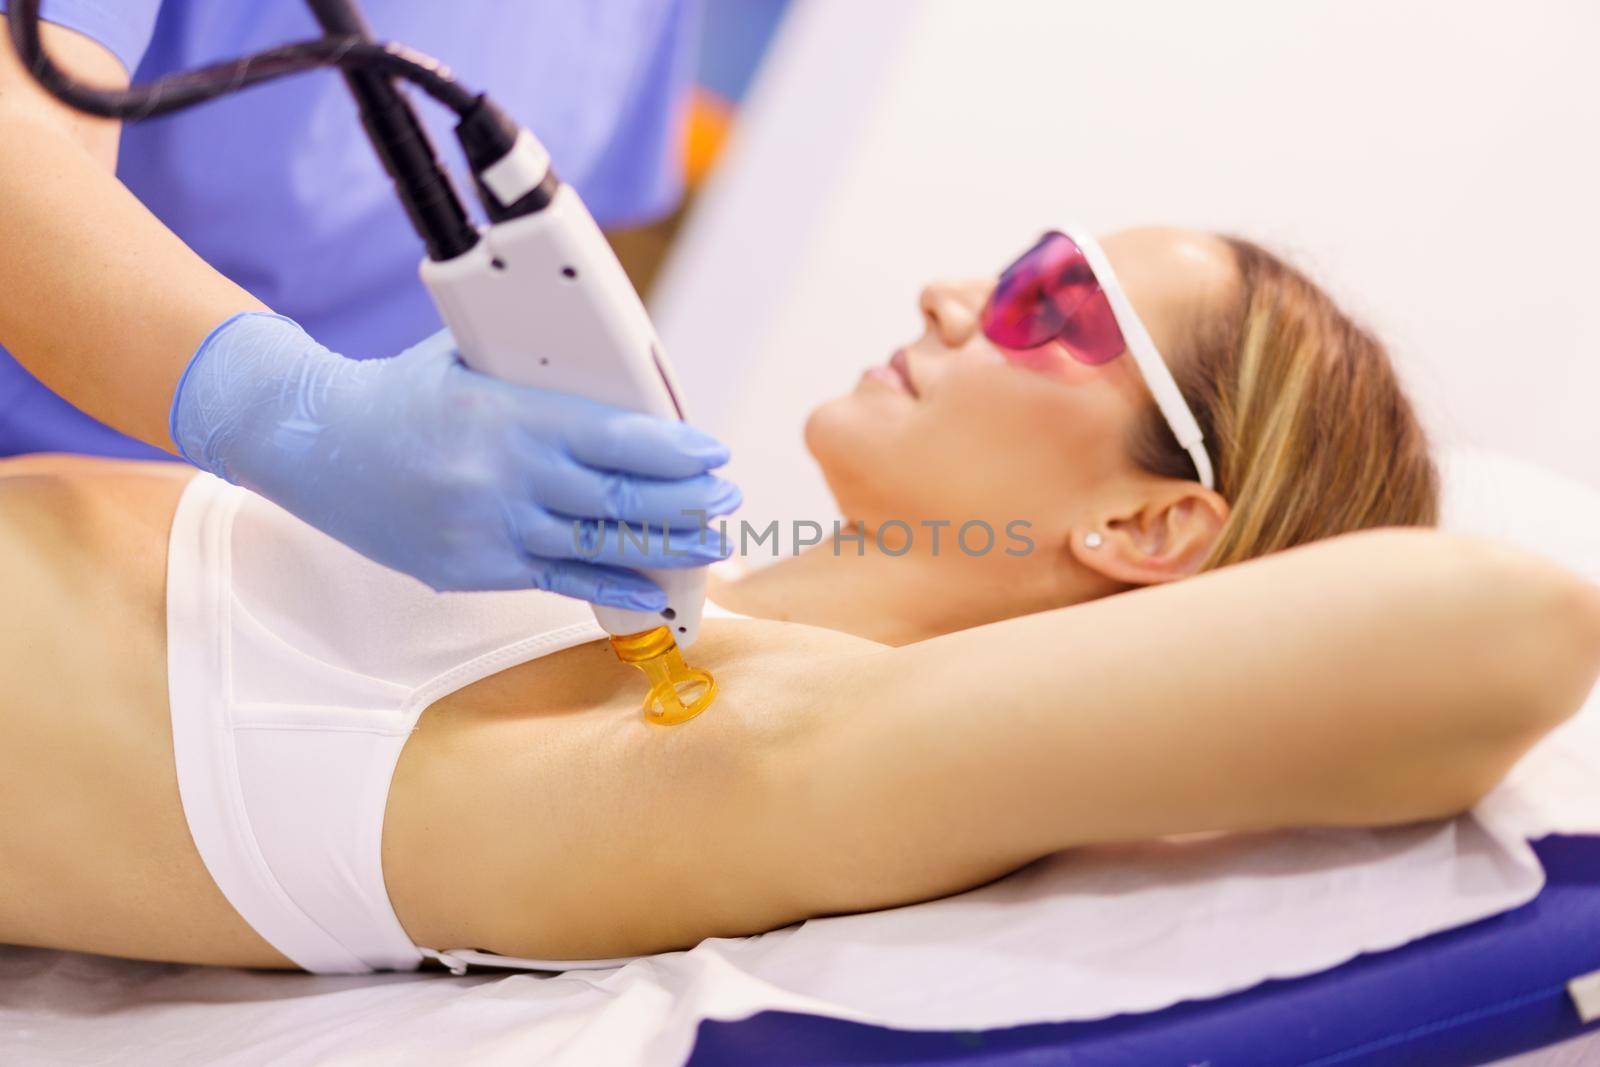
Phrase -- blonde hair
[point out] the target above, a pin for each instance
(1304, 418)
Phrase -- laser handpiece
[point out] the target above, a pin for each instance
(541, 300)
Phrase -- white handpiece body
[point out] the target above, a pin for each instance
(541, 300)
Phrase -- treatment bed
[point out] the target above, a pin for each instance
(1473, 995)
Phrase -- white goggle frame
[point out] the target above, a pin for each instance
(1185, 427)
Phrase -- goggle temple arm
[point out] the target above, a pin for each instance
(1169, 399)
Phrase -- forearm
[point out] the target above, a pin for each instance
(104, 304)
(1377, 678)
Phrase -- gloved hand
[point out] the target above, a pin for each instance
(456, 478)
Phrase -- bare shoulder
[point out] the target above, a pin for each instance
(47, 481)
(83, 545)
(83, 549)
(67, 469)
(87, 515)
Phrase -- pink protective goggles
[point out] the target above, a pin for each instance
(1050, 294)
(1062, 291)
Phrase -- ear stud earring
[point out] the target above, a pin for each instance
(1092, 539)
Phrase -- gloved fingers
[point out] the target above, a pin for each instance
(612, 587)
(566, 488)
(557, 537)
(595, 434)
(435, 348)
(611, 439)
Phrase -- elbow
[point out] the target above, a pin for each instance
(1586, 631)
(1534, 659)
(1506, 646)
(1547, 635)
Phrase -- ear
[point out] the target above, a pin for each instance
(1161, 537)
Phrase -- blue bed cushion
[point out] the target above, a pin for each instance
(1465, 996)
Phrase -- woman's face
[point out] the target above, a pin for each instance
(953, 428)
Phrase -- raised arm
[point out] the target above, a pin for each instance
(1375, 678)
(1381, 677)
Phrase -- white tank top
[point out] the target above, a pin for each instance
(297, 669)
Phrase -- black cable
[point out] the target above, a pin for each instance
(402, 144)
(177, 91)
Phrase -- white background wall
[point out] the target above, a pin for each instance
(1433, 163)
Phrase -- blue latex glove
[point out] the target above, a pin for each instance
(456, 478)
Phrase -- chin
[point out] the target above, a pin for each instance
(839, 435)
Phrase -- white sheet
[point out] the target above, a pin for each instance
(1078, 936)
(1135, 927)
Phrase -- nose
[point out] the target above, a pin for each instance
(951, 312)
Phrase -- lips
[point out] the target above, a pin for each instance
(901, 365)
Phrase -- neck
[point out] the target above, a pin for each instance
(897, 600)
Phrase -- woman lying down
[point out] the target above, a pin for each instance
(227, 739)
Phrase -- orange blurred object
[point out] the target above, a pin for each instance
(710, 118)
